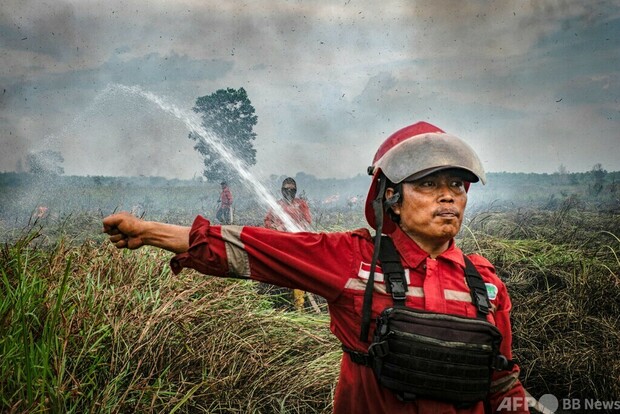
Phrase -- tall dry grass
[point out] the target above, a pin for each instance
(92, 329)
(85, 328)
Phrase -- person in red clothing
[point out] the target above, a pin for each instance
(296, 208)
(299, 212)
(225, 201)
(417, 198)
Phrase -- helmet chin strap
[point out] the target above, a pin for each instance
(380, 208)
(377, 205)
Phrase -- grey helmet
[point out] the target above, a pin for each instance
(415, 152)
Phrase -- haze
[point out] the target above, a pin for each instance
(532, 86)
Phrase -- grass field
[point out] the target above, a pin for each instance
(85, 328)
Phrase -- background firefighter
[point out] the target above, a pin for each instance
(299, 212)
(224, 210)
(296, 208)
(417, 197)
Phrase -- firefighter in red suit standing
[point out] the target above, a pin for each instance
(417, 197)
(296, 208)
(299, 212)
(225, 201)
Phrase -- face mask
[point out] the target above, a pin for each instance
(289, 193)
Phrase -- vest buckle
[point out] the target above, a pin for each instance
(379, 349)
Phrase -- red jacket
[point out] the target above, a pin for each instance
(336, 266)
(297, 210)
(226, 198)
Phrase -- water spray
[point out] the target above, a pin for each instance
(208, 137)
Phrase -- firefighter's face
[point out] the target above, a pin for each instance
(431, 210)
(289, 191)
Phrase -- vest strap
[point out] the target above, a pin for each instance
(393, 271)
(477, 288)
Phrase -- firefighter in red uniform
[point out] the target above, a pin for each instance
(225, 201)
(417, 198)
(296, 208)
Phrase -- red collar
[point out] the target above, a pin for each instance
(413, 254)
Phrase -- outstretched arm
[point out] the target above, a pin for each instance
(127, 231)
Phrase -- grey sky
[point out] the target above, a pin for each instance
(530, 85)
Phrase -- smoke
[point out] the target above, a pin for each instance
(329, 81)
(130, 137)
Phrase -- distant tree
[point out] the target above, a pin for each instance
(230, 114)
(562, 170)
(561, 175)
(598, 178)
(45, 162)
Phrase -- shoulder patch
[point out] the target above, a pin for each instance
(491, 290)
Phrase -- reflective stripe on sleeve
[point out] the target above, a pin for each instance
(237, 257)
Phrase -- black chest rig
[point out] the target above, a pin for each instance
(421, 354)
